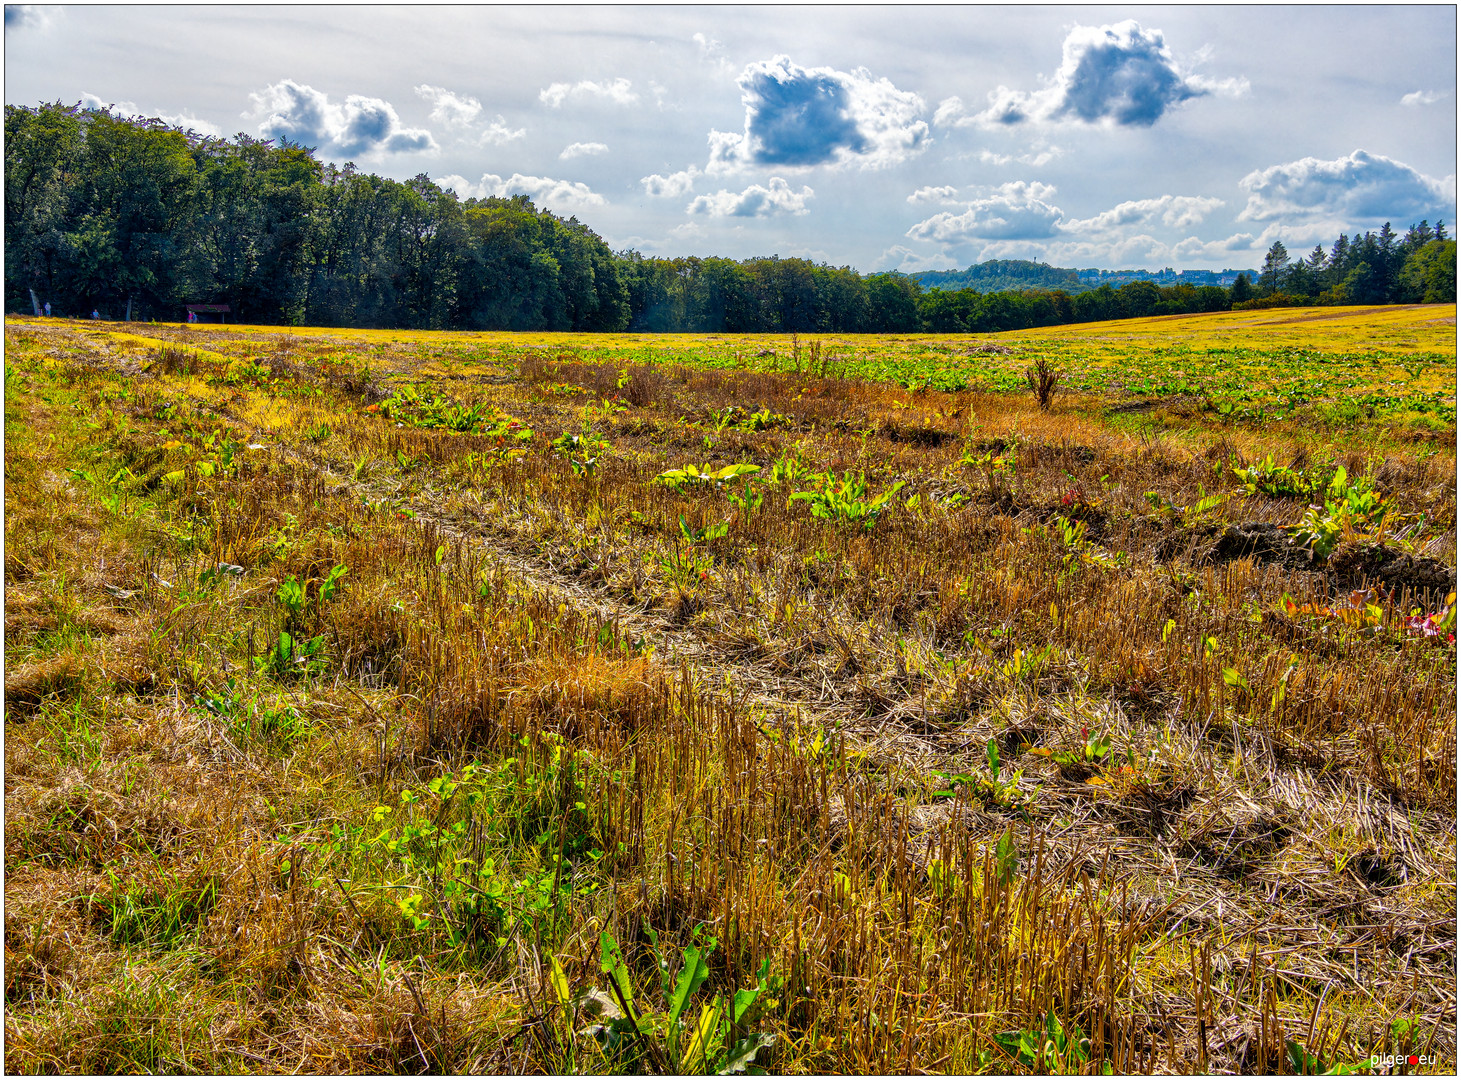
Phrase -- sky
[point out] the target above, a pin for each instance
(877, 137)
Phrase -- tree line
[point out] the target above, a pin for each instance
(133, 218)
(1376, 268)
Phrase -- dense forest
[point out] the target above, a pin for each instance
(134, 219)
(1003, 275)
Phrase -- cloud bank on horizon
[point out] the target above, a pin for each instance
(1183, 136)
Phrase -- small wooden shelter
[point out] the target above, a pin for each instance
(208, 312)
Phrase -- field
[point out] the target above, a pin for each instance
(385, 701)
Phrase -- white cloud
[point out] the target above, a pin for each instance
(679, 183)
(1237, 247)
(1019, 220)
(908, 261)
(362, 125)
(1138, 250)
(129, 108)
(660, 93)
(453, 110)
(1238, 250)
(1009, 107)
(798, 117)
(950, 111)
(618, 91)
(582, 149)
(1018, 210)
(754, 201)
(725, 151)
(1235, 87)
(1175, 211)
(1109, 75)
(713, 52)
(1362, 187)
(944, 194)
(1036, 157)
(496, 133)
(1419, 97)
(541, 189)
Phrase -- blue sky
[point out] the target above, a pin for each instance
(888, 137)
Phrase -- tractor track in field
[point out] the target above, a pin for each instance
(889, 742)
(834, 704)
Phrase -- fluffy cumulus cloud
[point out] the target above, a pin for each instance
(542, 190)
(1237, 248)
(616, 91)
(754, 201)
(129, 108)
(452, 109)
(1359, 188)
(583, 149)
(798, 117)
(362, 125)
(1019, 210)
(678, 183)
(1116, 75)
(1174, 211)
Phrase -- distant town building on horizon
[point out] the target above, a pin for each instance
(1166, 276)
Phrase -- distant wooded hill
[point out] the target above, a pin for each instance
(1015, 275)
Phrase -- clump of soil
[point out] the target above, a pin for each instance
(1394, 570)
(1350, 566)
(1263, 542)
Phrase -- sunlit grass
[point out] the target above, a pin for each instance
(1034, 745)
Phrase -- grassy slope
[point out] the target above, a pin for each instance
(219, 861)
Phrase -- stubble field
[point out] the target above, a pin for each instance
(411, 701)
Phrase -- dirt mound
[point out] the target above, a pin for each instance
(1394, 570)
(1263, 542)
(1350, 566)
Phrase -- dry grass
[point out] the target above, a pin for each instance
(1222, 830)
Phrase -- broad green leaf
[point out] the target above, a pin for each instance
(611, 963)
(1234, 678)
(695, 972)
(743, 1053)
(1006, 857)
(558, 980)
(744, 999)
